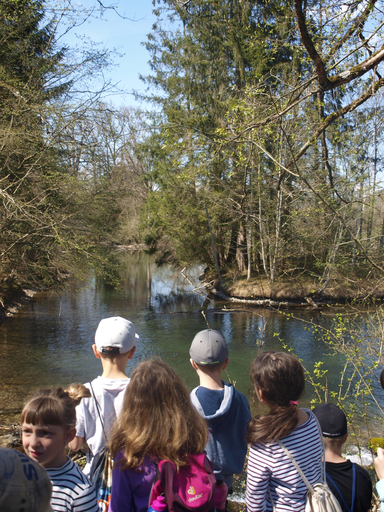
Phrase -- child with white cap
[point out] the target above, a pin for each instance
(224, 408)
(115, 345)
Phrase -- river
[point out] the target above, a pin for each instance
(48, 343)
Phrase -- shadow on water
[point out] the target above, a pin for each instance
(48, 343)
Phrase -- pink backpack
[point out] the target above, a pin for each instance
(191, 489)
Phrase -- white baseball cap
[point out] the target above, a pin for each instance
(115, 332)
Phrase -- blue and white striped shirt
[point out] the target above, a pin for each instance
(72, 491)
(269, 467)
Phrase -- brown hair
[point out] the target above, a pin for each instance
(157, 418)
(110, 355)
(332, 443)
(54, 406)
(210, 369)
(280, 377)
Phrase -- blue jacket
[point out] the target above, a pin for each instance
(226, 447)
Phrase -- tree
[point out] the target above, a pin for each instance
(203, 67)
(44, 229)
(257, 135)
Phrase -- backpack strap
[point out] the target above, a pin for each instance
(289, 455)
(353, 489)
(270, 497)
(98, 408)
(156, 488)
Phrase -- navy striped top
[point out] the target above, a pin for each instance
(269, 467)
(72, 491)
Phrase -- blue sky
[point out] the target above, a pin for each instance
(126, 36)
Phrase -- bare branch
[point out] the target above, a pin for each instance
(308, 43)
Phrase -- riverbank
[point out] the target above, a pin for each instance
(11, 300)
(294, 291)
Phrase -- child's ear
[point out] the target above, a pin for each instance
(225, 364)
(194, 365)
(96, 352)
(260, 395)
(70, 435)
(131, 352)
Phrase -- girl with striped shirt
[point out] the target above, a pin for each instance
(48, 425)
(278, 382)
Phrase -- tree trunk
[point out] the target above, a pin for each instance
(241, 251)
(233, 244)
(279, 210)
(213, 243)
(249, 237)
(261, 229)
(331, 259)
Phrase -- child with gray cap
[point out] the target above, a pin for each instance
(224, 408)
(24, 484)
(349, 482)
(115, 345)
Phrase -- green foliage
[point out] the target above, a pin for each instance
(375, 443)
(63, 193)
(239, 124)
(354, 338)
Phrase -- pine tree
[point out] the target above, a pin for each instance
(202, 69)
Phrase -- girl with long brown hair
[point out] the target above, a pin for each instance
(157, 422)
(278, 382)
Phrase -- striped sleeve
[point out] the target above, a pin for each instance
(269, 469)
(72, 491)
(258, 477)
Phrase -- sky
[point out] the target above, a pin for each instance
(126, 36)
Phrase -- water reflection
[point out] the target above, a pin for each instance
(49, 342)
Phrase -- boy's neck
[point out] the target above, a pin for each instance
(333, 456)
(112, 370)
(212, 381)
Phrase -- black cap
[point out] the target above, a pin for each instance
(332, 420)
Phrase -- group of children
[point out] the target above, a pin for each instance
(151, 417)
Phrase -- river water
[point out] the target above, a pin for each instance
(48, 343)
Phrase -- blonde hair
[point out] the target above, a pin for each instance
(77, 392)
(54, 406)
(157, 418)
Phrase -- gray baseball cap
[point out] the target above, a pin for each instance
(208, 348)
(24, 484)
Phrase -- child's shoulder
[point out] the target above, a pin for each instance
(239, 394)
(105, 384)
(240, 398)
(71, 474)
